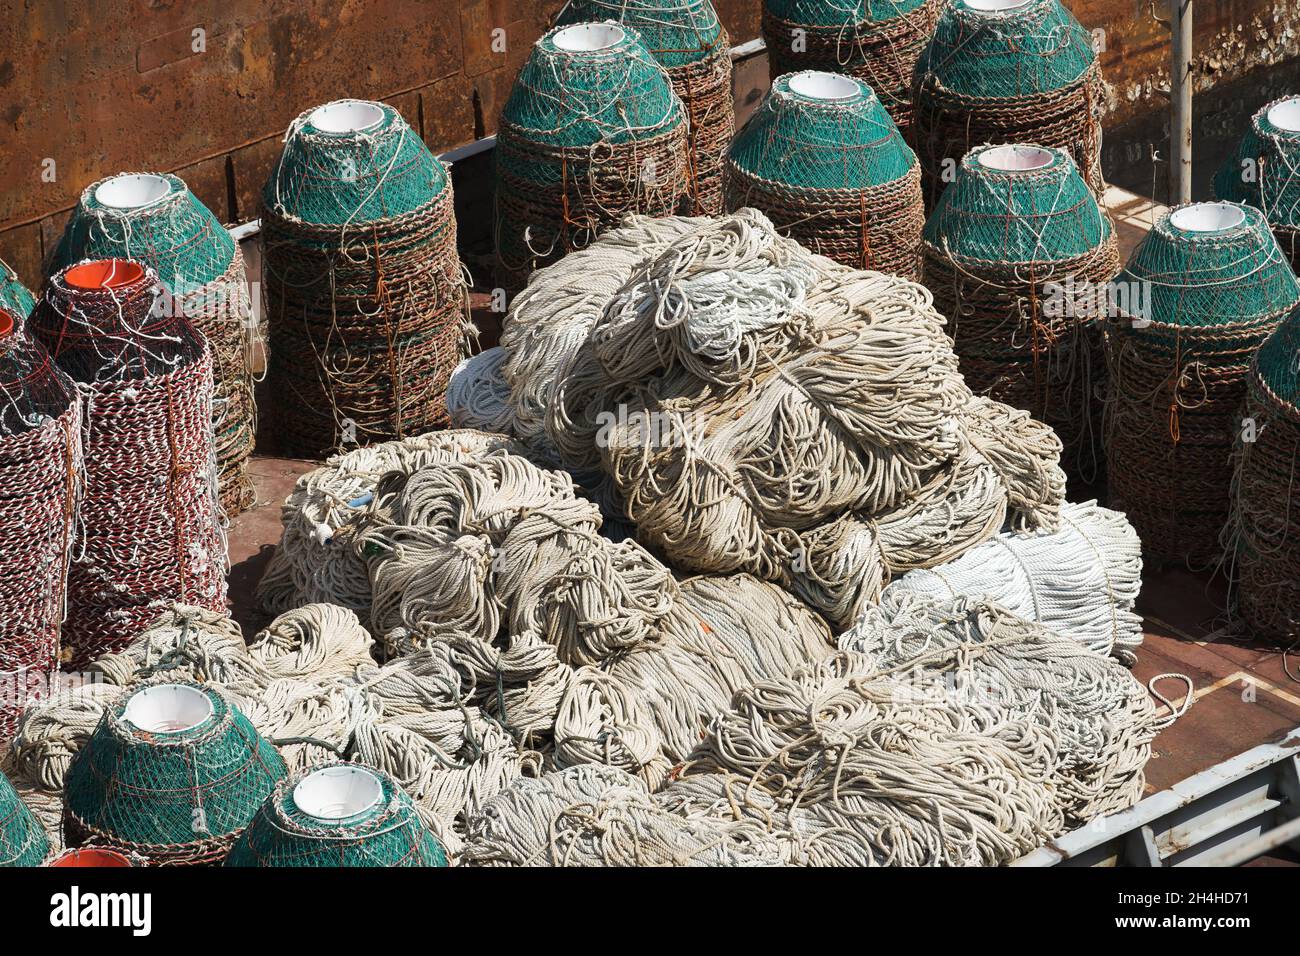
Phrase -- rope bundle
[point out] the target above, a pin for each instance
(365, 297)
(175, 786)
(877, 41)
(1216, 284)
(1264, 171)
(754, 405)
(150, 526)
(154, 219)
(1081, 581)
(824, 161)
(1101, 719)
(592, 131)
(40, 468)
(320, 818)
(686, 38)
(1018, 253)
(1023, 73)
(1264, 531)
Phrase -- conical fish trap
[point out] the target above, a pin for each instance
(1267, 497)
(878, 41)
(40, 467)
(1265, 172)
(686, 38)
(1007, 71)
(1207, 285)
(824, 161)
(154, 219)
(23, 842)
(173, 772)
(337, 815)
(592, 131)
(365, 299)
(1018, 255)
(150, 525)
(13, 294)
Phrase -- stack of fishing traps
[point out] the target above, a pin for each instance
(366, 305)
(150, 521)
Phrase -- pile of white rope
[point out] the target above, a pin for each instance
(762, 409)
(1081, 580)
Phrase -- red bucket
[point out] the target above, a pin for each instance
(91, 856)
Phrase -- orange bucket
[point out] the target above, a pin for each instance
(91, 856)
(8, 322)
(104, 274)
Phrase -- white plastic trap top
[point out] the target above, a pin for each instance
(337, 793)
(588, 37)
(347, 116)
(996, 6)
(1286, 115)
(132, 190)
(817, 85)
(167, 708)
(1015, 158)
(1207, 217)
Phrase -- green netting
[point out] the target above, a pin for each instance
(174, 234)
(23, 841)
(13, 294)
(801, 141)
(387, 833)
(1044, 214)
(1035, 48)
(335, 178)
(835, 13)
(1264, 171)
(1233, 277)
(677, 32)
(159, 788)
(1278, 360)
(577, 98)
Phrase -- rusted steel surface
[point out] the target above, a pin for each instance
(93, 87)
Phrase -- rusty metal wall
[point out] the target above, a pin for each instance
(205, 88)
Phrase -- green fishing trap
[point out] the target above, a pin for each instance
(352, 162)
(1264, 171)
(337, 815)
(15, 296)
(23, 841)
(1213, 271)
(820, 131)
(173, 771)
(152, 218)
(823, 159)
(1004, 49)
(676, 32)
(1017, 204)
(1277, 363)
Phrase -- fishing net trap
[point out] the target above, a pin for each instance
(1208, 284)
(1006, 71)
(40, 471)
(1265, 529)
(154, 219)
(150, 525)
(592, 131)
(689, 42)
(337, 815)
(1019, 256)
(14, 296)
(365, 299)
(825, 163)
(173, 772)
(23, 841)
(1264, 171)
(877, 41)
